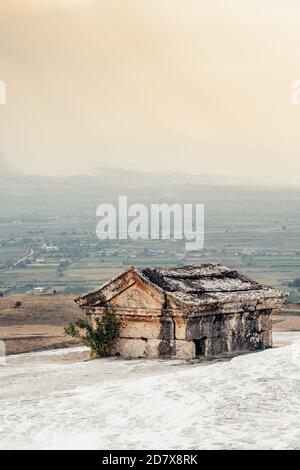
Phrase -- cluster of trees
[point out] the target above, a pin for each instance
(295, 283)
(61, 268)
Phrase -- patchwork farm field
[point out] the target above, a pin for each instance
(51, 243)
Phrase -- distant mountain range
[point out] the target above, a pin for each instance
(42, 196)
(139, 178)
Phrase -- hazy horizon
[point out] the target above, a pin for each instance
(163, 87)
(173, 177)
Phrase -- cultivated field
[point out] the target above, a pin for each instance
(51, 242)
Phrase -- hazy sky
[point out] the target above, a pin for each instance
(191, 86)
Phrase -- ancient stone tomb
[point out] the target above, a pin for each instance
(183, 313)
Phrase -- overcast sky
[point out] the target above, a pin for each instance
(192, 86)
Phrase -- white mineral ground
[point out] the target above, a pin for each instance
(55, 400)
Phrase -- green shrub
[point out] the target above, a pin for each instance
(99, 337)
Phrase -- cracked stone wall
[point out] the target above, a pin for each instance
(171, 336)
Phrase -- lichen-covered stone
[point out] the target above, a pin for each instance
(153, 348)
(170, 349)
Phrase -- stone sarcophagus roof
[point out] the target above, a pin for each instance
(191, 290)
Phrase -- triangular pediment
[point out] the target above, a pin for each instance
(139, 295)
(126, 290)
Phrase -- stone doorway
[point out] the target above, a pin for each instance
(201, 346)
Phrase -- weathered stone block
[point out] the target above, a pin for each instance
(266, 338)
(153, 348)
(264, 321)
(217, 345)
(180, 328)
(129, 347)
(171, 349)
(150, 328)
